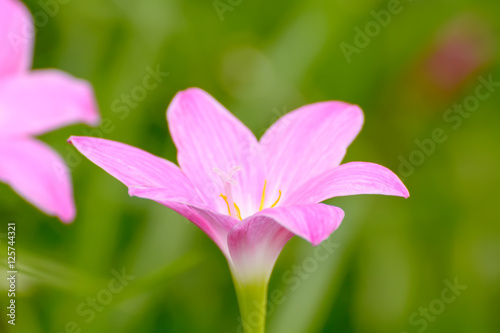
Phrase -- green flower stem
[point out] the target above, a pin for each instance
(252, 298)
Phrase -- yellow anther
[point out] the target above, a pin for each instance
(238, 211)
(235, 206)
(227, 203)
(263, 196)
(262, 201)
(274, 204)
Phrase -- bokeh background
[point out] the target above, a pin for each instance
(262, 59)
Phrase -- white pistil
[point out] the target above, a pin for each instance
(228, 181)
(230, 200)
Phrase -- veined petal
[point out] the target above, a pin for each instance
(307, 142)
(349, 179)
(16, 38)
(256, 242)
(136, 168)
(313, 222)
(207, 136)
(39, 175)
(35, 103)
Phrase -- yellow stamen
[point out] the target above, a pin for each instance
(235, 206)
(227, 203)
(263, 196)
(262, 202)
(274, 204)
(238, 211)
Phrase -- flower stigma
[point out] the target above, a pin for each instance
(227, 179)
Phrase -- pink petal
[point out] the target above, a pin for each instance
(313, 222)
(16, 38)
(43, 100)
(350, 179)
(207, 136)
(39, 175)
(256, 242)
(308, 142)
(136, 168)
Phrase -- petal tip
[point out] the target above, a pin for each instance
(403, 190)
(90, 112)
(67, 218)
(75, 140)
(93, 118)
(400, 190)
(188, 92)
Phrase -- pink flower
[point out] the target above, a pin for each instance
(32, 103)
(250, 197)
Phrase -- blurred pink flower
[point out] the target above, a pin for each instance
(462, 49)
(32, 103)
(250, 197)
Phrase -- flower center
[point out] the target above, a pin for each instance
(232, 207)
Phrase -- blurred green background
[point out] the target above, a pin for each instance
(262, 59)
